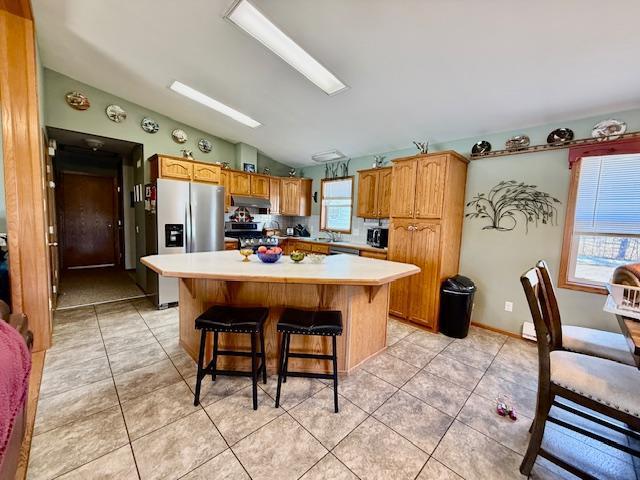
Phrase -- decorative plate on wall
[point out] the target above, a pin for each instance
(560, 136)
(77, 100)
(179, 136)
(204, 145)
(116, 113)
(481, 147)
(149, 125)
(609, 129)
(517, 142)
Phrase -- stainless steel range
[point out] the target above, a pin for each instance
(249, 234)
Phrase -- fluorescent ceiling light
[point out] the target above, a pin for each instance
(330, 156)
(200, 97)
(249, 18)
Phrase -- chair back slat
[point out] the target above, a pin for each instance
(551, 310)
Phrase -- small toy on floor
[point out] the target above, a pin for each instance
(503, 409)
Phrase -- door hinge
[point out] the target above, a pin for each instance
(51, 232)
(52, 184)
(55, 289)
(118, 189)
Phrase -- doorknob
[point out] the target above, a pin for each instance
(53, 244)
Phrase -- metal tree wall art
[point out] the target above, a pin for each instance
(510, 199)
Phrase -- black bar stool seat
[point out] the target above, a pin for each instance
(225, 319)
(303, 322)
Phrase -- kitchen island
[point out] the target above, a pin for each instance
(357, 286)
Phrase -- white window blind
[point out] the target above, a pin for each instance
(336, 204)
(608, 199)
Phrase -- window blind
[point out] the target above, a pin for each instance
(608, 199)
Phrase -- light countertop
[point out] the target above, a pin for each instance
(228, 265)
(359, 246)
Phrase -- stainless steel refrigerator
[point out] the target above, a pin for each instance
(189, 217)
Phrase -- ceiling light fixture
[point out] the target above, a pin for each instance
(330, 156)
(207, 101)
(249, 19)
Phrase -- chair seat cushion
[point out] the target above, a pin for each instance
(323, 322)
(607, 382)
(598, 343)
(223, 318)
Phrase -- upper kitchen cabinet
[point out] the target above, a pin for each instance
(240, 183)
(165, 166)
(274, 195)
(295, 196)
(419, 182)
(403, 188)
(206, 172)
(259, 186)
(225, 181)
(374, 191)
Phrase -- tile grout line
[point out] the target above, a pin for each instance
(118, 393)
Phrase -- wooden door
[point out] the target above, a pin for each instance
(384, 192)
(274, 195)
(89, 216)
(424, 287)
(259, 186)
(225, 181)
(400, 233)
(172, 168)
(403, 189)
(240, 183)
(368, 194)
(430, 180)
(52, 224)
(289, 196)
(204, 172)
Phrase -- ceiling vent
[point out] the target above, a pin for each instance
(330, 156)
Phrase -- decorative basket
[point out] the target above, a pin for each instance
(625, 297)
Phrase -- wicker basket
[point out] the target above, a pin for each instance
(626, 297)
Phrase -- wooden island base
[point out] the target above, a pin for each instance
(364, 316)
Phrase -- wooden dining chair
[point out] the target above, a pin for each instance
(603, 386)
(590, 341)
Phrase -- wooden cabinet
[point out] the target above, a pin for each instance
(240, 183)
(172, 168)
(425, 230)
(259, 186)
(430, 175)
(208, 173)
(368, 194)
(274, 195)
(374, 191)
(403, 189)
(231, 244)
(372, 254)
(225, 181)
(295, 196)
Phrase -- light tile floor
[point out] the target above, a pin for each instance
(117, 402)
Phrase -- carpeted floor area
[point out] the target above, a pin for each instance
(95, 285)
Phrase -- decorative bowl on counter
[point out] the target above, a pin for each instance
(316, 258)
(269, 257)
(246, 253)
(297, 256)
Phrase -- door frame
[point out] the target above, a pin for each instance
(118, 238)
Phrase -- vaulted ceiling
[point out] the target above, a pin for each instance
(417, 69)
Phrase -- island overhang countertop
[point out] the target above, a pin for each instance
(227, 265)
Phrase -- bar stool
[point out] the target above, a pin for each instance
(224, 319)
(304, 322)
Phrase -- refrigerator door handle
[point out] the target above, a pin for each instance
(192, 230)
(187, 229)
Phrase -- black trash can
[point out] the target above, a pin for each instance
(456, 302)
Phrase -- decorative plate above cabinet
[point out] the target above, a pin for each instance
(204, 145)
(77, 101)
(179, 136)
(149, 125)
(116, 113)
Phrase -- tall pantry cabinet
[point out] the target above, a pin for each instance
(427, 208)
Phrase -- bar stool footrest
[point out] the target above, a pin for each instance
(310, 355)
(325, 376)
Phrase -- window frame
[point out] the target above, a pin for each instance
(613, 147)
(322, 182)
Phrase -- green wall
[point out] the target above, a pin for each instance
(495, 260)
